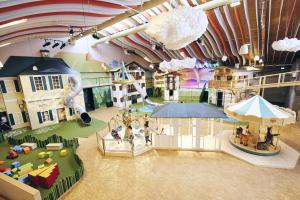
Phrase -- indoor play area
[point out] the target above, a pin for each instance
(149, 99)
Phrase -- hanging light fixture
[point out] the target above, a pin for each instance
(56, 43)
(62, 45)
(47, 43)
(71, 31)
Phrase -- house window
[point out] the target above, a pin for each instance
(139, 96)
(120, 87)
(45, 116)
(229, 78)
(114, 88)
(218, 78)
(38, 83)
(143, 85)
(115, 99)
(71, 111)
(56, 83)
(122, 99)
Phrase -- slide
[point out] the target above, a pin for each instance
(75, 90)
(140, 90)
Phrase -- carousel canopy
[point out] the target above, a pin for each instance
(188, 110)
(257, 109)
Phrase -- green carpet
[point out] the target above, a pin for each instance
(68, 130)
(67, 165)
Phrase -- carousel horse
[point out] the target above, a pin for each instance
(238, 133)
(268, 140)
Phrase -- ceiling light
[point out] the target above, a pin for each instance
(224, 58)
(71, 32)
(55, 44)
(182, 54)
(153, 47)
(95, 36)
(62, 45)
(235, 3)
(256, 58)
(147, 59)
(151, 66)
(47, 43)
(260, 61)
(106, 42)
(282, 68)
(126, 52)
(81, 34)
(3, 45)
(13, 23)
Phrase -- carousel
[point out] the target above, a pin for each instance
(260, 136)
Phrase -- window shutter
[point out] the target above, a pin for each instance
(11, 119)
(50, 82)
(17, 86)
(24, 117)
(32, 83)
(51, 115)
(3, 88)
(71, 111)
(40, 117)
(61, 82)
(44, 82)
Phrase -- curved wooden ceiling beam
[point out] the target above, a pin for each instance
(217, 53)
(248, 26)
(198, 51)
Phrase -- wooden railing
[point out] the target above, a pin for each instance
(267, 81)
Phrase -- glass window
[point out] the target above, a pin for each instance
(139, 96)
(114, 88)
(115, 99)
(45, 116)
(38, 83)
(229, 78)
(56, 83)
(122, 99)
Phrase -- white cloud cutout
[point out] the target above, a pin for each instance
(178, 27)
(175, 64)
(287, 44)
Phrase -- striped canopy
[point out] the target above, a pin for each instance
(257, 109)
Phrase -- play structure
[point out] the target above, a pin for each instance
(70, 102)
(258, 137)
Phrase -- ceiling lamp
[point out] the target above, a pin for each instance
(13, 23)
(47, 43)
(244, 49)
(62, 45)
(147, 59)
(5, 44)
(224, 58)
(178, 27)
(81, 32)
(256, 58)
(71, 31)
(56, 43)
(287, 44)
(95, 36)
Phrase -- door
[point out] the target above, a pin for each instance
(61, 114)
(134, 99)
(88, 99)
(4, 124)
(171, 95)
(219, 99)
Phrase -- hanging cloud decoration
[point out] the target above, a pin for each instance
(178, 27)
(287, 44)
(175, 65)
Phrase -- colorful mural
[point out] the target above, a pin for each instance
(102, 95)
(195, 78)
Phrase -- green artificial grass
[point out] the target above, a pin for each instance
(67, 165)
(68, 130)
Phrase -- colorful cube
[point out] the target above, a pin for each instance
(8, 173)
(48, 161)
(15, 164)
(2, 162)
(26, 150)
(63, 152)
(41, 166)
(18, 149)
(49, 154)
(42, 154)
(24, 179)
(16, 176)
(3, 169)
(30, 145)
(14, 170)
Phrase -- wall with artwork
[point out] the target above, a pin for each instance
(102, 96)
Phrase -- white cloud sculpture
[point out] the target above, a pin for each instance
(175, 64)
(287, 44)
(178, 27)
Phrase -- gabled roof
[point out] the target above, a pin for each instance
(188, 110)
(23, 65)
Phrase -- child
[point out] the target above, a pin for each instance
(116, 136)
(147, 133)
(128, 134)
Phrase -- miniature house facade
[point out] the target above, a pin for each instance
(34, 94)
(126, 94)
(171, 91)
(222, 89)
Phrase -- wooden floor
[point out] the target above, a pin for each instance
(182, 175)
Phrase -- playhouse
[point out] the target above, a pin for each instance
(33, 92)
